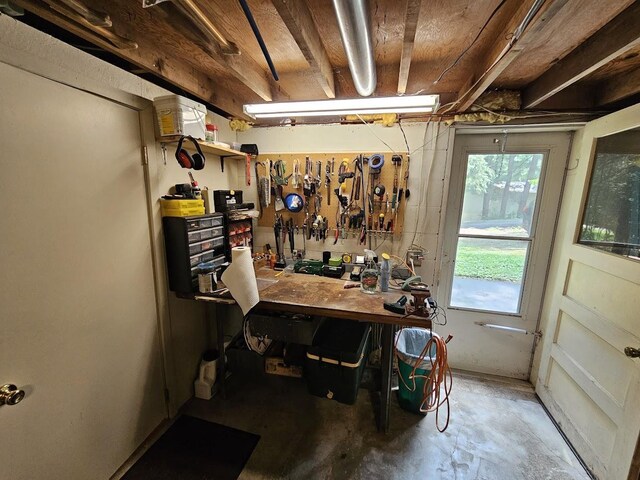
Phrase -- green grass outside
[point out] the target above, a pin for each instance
(490, 263)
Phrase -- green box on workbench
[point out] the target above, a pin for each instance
(310, 267)
(334, 364)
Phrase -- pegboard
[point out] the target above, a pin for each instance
(329, 211)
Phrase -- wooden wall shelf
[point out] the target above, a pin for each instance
(210, 148)
(206, 147)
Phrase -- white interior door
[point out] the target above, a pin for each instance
(503, 202)
(592, 307)
(78, 322)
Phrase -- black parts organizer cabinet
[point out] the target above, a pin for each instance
(190, 241)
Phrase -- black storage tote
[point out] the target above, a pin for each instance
(335, 362)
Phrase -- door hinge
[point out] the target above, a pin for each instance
(145, 155)
(537, 338)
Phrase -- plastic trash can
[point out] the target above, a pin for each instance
(409, 345)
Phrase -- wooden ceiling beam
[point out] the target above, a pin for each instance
(153, 59)
(504, 49)
(175, 31)
(297, 17)
(242, 66)
(249, 72)
(410, 26)
(618, 87)
(577, 98)
(614, 39)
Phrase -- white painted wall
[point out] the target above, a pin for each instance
(430, 146)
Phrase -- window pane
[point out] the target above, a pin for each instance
(612, 214)
(500, 194)
(488, 274)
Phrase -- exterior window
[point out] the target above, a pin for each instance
(496, 231)
(611, 220)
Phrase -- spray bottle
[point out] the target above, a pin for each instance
(369, 276)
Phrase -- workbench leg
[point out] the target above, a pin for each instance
(222, 367)
(386, 365)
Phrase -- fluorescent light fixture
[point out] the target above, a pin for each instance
(319, 108)
(322, 113)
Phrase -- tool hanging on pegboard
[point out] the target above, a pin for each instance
(407, 192)
(264, 186)
(295, 176)
(357, 179)
(327, 182)
(308, 182)
(278, 175)
(318, 181)
(397, 163)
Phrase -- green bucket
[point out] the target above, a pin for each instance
(409, 345)
(410, 400)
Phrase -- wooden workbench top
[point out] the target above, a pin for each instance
(314, 295)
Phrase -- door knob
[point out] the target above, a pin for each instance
(10, 395)
(632, 352)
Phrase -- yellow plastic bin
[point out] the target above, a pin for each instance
(181, 208)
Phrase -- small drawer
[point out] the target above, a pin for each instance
(217, 231)
(195, 236)
(205, 234)
(201, 258)
(216, 262)
(205, 222)
(197, 223)
(195, 248)
(218, 242)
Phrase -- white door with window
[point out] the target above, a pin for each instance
(504, 197)
(591, 313)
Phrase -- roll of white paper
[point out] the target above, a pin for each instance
(240, 279)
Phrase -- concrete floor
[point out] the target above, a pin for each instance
(498, 430)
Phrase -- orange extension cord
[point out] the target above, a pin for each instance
(437, 385)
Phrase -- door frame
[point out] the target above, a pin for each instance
(553, 145)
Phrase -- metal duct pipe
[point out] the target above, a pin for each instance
(353, 21)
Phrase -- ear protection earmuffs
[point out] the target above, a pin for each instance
(185, 159)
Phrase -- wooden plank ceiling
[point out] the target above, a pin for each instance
(567, 57)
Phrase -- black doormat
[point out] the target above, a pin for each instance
(194, 449)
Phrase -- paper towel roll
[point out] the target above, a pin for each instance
(240, 279)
